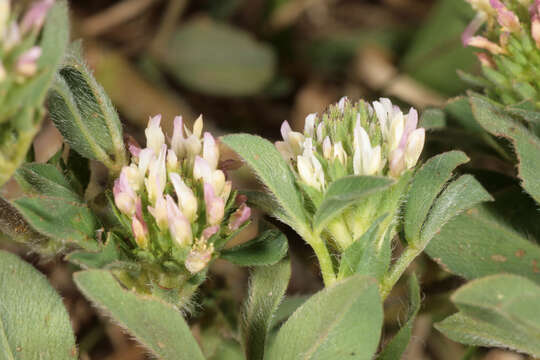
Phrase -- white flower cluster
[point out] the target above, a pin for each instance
(16, 54)
(359, 139)
(177, 192)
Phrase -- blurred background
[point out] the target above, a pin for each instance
(247, 65)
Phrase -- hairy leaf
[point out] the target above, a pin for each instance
(345, 192)
(157, 325)
(34, 323)
(498, 310)
(266, 290)
(266, 249)
(340, 322)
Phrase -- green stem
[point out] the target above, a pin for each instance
(392, 277)
(325, 260)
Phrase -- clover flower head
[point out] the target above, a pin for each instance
(19, 54)
(177, 200)
(353, 139)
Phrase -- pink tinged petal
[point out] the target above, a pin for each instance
(140, 232)
(415, 144)
(471, 29)
(202, 170)
(124, 196)
(284, 149)
(179, 226)
(506, 18)
(160, 214)
(215, 206)
(210, 150)
(239, 217)
(177, 141)
(309, 125)
(198, 259)
(186, 198)
(154, 135)
(483, 43)
(535, 29)
(26, 64)
(209, 232)
(145, 158)
(134, 150)
(35, 16)
(410, 125)
(397, 162)
(285, 130)
(485, 60)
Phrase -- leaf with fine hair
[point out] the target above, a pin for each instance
(497, 311)
(266, 249)
(342, 321)
(158, 326)
(34, 323)
(266, 290)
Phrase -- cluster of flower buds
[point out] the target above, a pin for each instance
(353, 139)
(511, 42)
(18, 52)
(359, 138)
(178, 204)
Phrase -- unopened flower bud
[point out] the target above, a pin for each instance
(209, 232)
(124, 196)
(179, 226)
(155, 138)
(292, 138)
(186, 198)
(199, 258)
(139, 227)
(26, 64)
(483, 43)
(215, 206)
(397, 162)
(36, 15)
(339, 153)
(202, 170)
(198, 127)
(535, 29)
(327, 148)
(415, 144)
(310, 171)
(507, 19)
(485, 60)
(309, 126)
(210, 150)
(177, 141)
(239, 217)
(341, 103)
(159, 212)
(157, 176)
(172, 161)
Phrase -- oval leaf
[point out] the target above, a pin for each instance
(266, 249)
(155, 324)
(34, 323)
(341, 321)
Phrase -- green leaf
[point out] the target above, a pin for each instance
(84, 114)
(395, 348)
(270, 167)
(369, 255)
(484, 240)
(109, 256)
(497, 311)
(345, 192)
(526, 144)
(426, 185)
(266, 249)
(157, 325)
(218, 59)
(433, 119)
(53, 208)
(341, 321)
(34, 323)
(460, 195)
(267, 203)
(266, 290)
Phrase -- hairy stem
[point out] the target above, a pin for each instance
(392, 277)
(325, 260)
